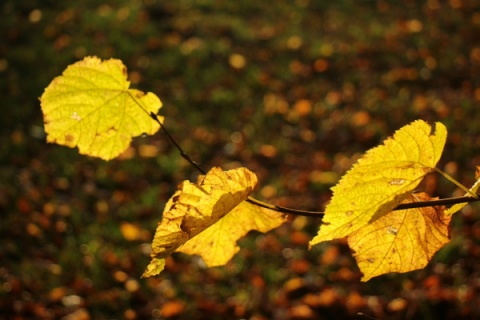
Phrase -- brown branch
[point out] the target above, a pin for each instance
(250, 199)
(179, 148)
(306, 213)
(439, 202)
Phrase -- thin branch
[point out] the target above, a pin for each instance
(439, 202)
(296, 212)
(249, 199)
(182, 153)
(306, 213)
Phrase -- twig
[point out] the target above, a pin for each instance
(249, 199)
(403, 206)
(439, 202)
(182, 153)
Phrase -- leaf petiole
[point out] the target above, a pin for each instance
(455, 182)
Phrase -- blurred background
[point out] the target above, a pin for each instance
(294, 90)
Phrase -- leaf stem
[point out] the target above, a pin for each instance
(179, 148)
(455, 182)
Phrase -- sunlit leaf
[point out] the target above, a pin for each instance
(401, 240)
(91, 106)
(155, 266)
(218, 244)
(197, 206)
(382, 179)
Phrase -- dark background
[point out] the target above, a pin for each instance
(294, 90)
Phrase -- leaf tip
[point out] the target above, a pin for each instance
(154, 268)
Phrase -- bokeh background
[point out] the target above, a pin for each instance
(294, 90)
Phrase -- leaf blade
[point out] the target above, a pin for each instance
(382, 179)
(197, 206)
(218, 244)
(90, 106)
(400, 241)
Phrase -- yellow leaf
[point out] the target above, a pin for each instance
(218, 244)
(196, 207)
(382, 179)
(401, 240)
(91, 106)
(154, 267)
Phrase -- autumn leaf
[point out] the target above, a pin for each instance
(401, 240)
(218, 244)
(196, 207)
(382, 179)
(91, 106)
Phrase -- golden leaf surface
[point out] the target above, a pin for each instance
(382, 179)
(196, 207)
(401, 240)
(91, 106)
(218, 244)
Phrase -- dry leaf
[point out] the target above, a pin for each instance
(218, 244)
(402, 240)
(196, 207)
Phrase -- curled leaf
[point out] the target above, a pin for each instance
(91, 106)
(401, 240)
(196, 207)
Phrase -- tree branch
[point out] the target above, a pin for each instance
(249, 199)
(439, 202)
(306, 213)
(179, 148)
